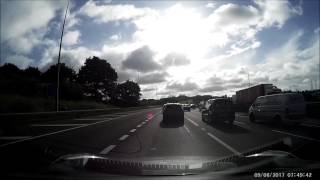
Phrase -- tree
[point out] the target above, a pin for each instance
(126, 94)
(32, 73)
(66, 74)
(10, 78)
(97, 78)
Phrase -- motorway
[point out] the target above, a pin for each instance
(141, 133)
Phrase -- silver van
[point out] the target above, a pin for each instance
(287, 108)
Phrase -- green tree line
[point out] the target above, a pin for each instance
(96, 80)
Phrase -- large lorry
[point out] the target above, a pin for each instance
(246, 96)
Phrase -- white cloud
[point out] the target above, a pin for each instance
(211, 5)
(290, 65)
(109, 13)
(23, 23)
(115, 37)
(19, 60)
(276, 12)
(71, 38)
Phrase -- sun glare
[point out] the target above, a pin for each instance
(178, 30)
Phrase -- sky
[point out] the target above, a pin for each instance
(172, 47)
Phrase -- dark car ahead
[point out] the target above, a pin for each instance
(186, 107)
(173, 113)
(220, 109)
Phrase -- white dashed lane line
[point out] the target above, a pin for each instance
(123, 137)
(203, 129)
(224, 144)
(107, 149)
(139, 125)
(187, 129)
(194, 123)
(132, 130)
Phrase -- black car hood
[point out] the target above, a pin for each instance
(181, 165)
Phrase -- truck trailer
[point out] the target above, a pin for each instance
(248, 95)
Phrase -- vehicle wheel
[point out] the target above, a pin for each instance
(203, 118)
(278, 120)
(210, 119)
(252, 118)
(230, 122)
(164, 118)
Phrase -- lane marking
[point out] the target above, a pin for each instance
(203, 129)
(194, 123)
(239, 122)
(310, 125)
(13, 137)
(56, 125)
(295, 135)
(123, 137)
(224, 144)
(107, 149)
(139, 125)
(143, 122)
(187, 129)
(91, 119)
(62, 131)
(132, 130)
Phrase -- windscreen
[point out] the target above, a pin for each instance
(116, 78)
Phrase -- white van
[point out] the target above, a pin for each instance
(288, 108)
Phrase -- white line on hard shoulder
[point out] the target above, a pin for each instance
(224, 144)
(123, 137)
(13, 137)
(107, 149)
(61, 131)
(310, 125)
(55, 125)
(194, 123)
(295, 135)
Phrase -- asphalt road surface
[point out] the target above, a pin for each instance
(141, 134)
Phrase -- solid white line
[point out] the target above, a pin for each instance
(64, 130)
(224, 144)
(107, 149)
(299, 136)
(13, 137)
(187, 129)
(123, 137)
(194, 123)
(56, 125)
(310, 125)
(239, 122)
(91, 119)
(132, 130)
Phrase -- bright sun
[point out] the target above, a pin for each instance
(178, 30)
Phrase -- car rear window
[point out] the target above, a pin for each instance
(173, 107)
(223, 103)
